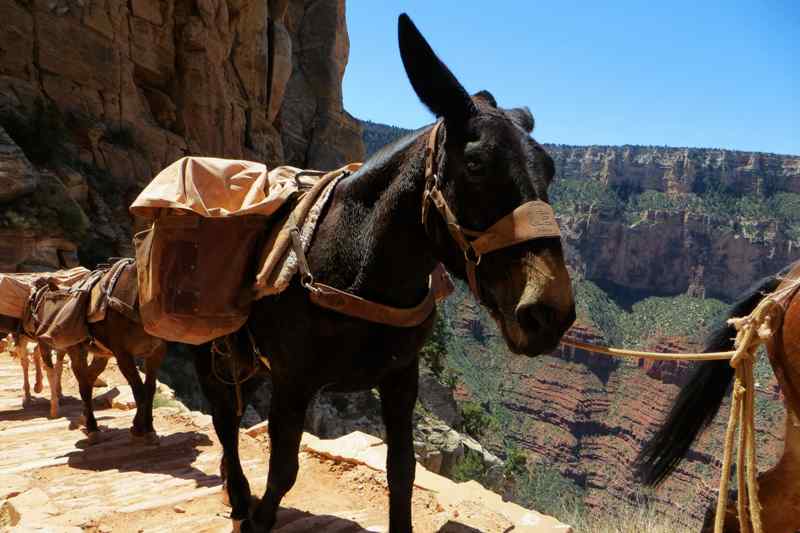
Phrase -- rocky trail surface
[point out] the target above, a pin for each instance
(51, 480)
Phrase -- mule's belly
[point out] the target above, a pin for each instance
(324, 349)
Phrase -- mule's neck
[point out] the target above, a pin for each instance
(372, 242)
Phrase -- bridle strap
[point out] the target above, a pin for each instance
(531, 220)
(433, 195)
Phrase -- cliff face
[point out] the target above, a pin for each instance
(696, 245)
(105, 93)
(667, 253)
(708, 250)
(679, 170)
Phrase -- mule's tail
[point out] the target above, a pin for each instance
(700, 399)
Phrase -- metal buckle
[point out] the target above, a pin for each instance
(307, 281)
(476, 261)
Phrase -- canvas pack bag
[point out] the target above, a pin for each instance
(206, 218)
(16, 289)
(58, 316)
(192, 274)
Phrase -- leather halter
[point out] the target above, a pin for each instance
(532, 220)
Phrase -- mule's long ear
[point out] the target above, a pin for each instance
(433, 82)
(522, 117)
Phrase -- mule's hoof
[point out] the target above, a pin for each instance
(99, 383)
(54, 413)
(27, 401)
(38, 388)
(147, 439)
(244, 526)
(93, 437)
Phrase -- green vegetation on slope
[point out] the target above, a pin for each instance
(376, 136)
(675, 316)
(740, 214)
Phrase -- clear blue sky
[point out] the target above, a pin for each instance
(677, 73)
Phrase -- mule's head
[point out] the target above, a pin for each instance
(490, 165)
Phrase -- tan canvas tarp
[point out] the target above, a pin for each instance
(209, 220)
(16, 289)
(211, 188)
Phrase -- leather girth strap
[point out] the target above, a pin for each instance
(532, 220)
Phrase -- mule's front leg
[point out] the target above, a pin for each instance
(398, 397)
(222, 399)
(286, 416)
(37, 361)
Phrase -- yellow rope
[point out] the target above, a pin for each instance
(656, 356)
(753, 331)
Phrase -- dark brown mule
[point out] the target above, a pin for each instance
(700, 399)
(371, 242)
(125, 339)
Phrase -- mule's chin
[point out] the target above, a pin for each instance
(521, 343)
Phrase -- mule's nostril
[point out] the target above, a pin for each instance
(530, 317)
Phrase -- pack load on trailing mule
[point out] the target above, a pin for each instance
(218, 237)
(16, 289)
(57, 307)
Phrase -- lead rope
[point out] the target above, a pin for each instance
(753, 331)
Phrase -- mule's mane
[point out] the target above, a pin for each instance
(389, 151)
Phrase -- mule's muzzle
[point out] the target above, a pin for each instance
(543, 326)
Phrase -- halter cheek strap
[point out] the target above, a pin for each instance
(532, 220)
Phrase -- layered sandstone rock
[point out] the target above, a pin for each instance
(672, 253)
(678, 169)
(126, 87)
(17, 176)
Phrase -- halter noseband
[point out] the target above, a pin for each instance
(531, 220)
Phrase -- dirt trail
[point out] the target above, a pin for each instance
(50, 480)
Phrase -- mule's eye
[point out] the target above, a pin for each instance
(473, 161)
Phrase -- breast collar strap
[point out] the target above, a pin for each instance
(352, 305)
(531, 220)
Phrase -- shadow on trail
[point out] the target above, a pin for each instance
(290, 518)
(457, 527)
(294, 519)
(174, 455)
(39, 407)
